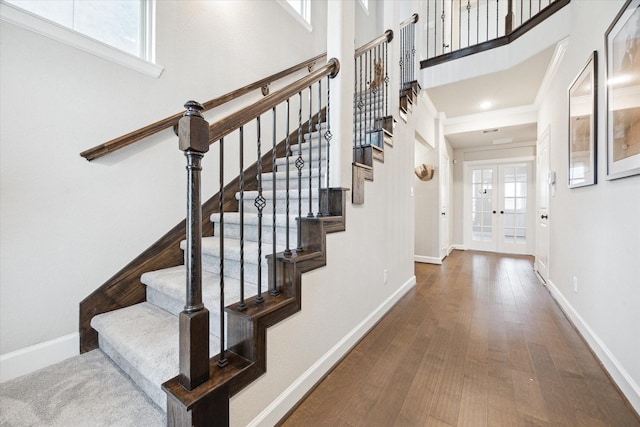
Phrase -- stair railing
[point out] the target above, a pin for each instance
(200, 376)
(172, 121)
(371, 98)
(408, 51)
(457, 28)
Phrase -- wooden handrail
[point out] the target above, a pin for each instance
(168, 122)
(411, 20)
(386, 37)
(225, 126)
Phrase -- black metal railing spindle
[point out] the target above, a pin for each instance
(327, 137)
(273, 291)
(259, 203)
(299, 166)
(287, 250)
(242, 306)
(310, 156)
(222, 361)
(319, 148)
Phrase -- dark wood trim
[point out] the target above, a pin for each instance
(500, 41)
(411, 20)
(168, 122)
(386, 37)
(125, 289)
(225, 126)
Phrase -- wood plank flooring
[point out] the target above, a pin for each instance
(478, 342)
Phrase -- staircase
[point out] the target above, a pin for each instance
(262, 231)
(142, 339)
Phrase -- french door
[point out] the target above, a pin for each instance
(500, 215)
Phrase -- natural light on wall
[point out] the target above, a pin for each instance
(125, 25)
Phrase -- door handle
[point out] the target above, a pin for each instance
(544, 216)
(494, 211)
(443, 213)
(501, 212)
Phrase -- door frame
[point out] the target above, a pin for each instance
(466, 209)
(543, 273)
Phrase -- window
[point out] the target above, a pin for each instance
(105, 28)
(299, 9)
(302, 7)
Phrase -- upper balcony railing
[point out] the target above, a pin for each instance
(457, 28)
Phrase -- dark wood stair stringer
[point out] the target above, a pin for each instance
(247, 328)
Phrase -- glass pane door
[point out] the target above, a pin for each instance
(482, 207)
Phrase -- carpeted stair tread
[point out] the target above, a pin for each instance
(143, 340)
(166, 288)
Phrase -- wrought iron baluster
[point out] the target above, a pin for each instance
(287, 250)
(368, 103)
(299, 166)
(259, 203)
(477, 21)
(498, 18)
(242, 306)
(468, 23)
(273, 291)
(328, 136)
(428, 33)
(222, 362)
(319, 148)
(360, 107)
(386, 80)
(310, 133)
(459, 24)
(521, 7)
(443, 16)
(355, 106)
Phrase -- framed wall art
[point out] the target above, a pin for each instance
(583, 129)
(622, 51)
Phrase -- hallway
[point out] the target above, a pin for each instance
(478, 342)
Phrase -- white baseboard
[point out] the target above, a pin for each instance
(297, 390)
(32, 358)
(620, 376)
(427, 259)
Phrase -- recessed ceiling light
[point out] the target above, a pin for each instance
(485, 105)
(490, 130)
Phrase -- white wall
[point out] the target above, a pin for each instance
(595, 232)
(67, 225)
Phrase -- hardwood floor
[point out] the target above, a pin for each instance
(478, 342)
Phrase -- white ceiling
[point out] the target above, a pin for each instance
(507, 89)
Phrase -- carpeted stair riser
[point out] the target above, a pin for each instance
(281, 201)
(232, 230)
(281, 181)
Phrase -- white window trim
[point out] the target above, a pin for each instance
(44, 27)
(296, 15)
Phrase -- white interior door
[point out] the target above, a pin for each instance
(501, 209)
(542, 207)
(444, 204)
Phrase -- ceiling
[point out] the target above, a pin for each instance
(507, 89)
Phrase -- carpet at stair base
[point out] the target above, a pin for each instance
(143, 340)
(86, 390)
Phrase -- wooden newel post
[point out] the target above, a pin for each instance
(193, 137)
